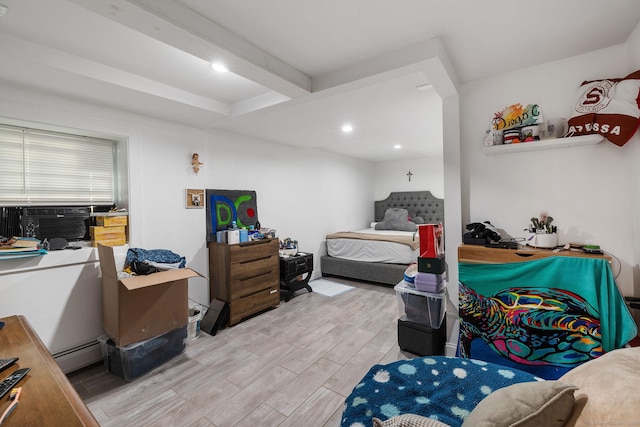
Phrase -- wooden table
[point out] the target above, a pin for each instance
(482, 254)
(48, 398)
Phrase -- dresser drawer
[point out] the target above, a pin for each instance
(241, 270)
(252, 284)
(254, 303)
(254, 250)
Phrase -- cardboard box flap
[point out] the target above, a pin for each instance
(137, 282)
(107, 262)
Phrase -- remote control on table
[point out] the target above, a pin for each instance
(13, 379)
(5, 363)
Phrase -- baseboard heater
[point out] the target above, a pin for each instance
(79, 356)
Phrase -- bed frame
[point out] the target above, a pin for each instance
(419, 204)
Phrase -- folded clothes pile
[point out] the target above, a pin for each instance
(146, 261)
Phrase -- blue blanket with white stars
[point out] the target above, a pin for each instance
(440, 387)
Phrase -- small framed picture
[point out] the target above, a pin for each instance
(194, 199)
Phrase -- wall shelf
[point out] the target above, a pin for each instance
(545, 144)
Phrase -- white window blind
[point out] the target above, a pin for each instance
(40, 167)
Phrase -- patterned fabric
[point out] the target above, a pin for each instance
(545, 316)
(408, 420)
(610, 107)
(163, 256)
(443, 388)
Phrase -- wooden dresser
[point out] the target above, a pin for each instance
(246, 276)
(48, 398)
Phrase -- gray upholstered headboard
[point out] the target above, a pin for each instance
(418, 203)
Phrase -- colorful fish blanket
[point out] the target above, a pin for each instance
(545, 316)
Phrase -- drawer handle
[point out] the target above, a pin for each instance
(256, 242)
(256, 275)
(273, 291)
(524, 255)
(254, 260)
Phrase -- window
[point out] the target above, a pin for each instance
(40, 167)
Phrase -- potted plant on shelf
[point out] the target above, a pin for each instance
(541, 233)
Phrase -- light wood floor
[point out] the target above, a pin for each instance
(290, 366)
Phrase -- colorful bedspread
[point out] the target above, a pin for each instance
(545, 316)
(440, 387)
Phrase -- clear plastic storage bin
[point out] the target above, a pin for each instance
(134, 360)
(421, 307)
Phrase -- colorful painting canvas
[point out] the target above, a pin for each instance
(226, 206)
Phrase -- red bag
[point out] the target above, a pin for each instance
(431, 240)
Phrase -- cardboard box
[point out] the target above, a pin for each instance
(111, 221)
(109, 242)
(106, 233)
(233, 236)
(108, 236)
(142, 307)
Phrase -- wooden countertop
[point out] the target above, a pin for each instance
(48, 398)
(482, 254)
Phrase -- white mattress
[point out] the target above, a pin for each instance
(372, 250)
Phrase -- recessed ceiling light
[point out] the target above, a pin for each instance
(397, 146)
(347, 128)
(219, 67)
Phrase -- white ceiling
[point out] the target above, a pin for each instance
(300, 68)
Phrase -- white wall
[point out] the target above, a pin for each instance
(633, 160)
(587, 190)
(304, 194)
(427, 174)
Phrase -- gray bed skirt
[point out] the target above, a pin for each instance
(378, 272)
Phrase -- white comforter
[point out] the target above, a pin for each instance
(374, 250)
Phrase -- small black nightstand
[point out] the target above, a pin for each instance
(291, 268)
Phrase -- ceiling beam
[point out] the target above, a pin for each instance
(427, 57)
(179, 26)
(380, 68)
(44, 55)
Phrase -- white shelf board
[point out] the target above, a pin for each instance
(545, 144)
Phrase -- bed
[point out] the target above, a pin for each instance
(382, 256)
(450, 391)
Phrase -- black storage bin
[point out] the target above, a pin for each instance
(421, 340)
(134, 360)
